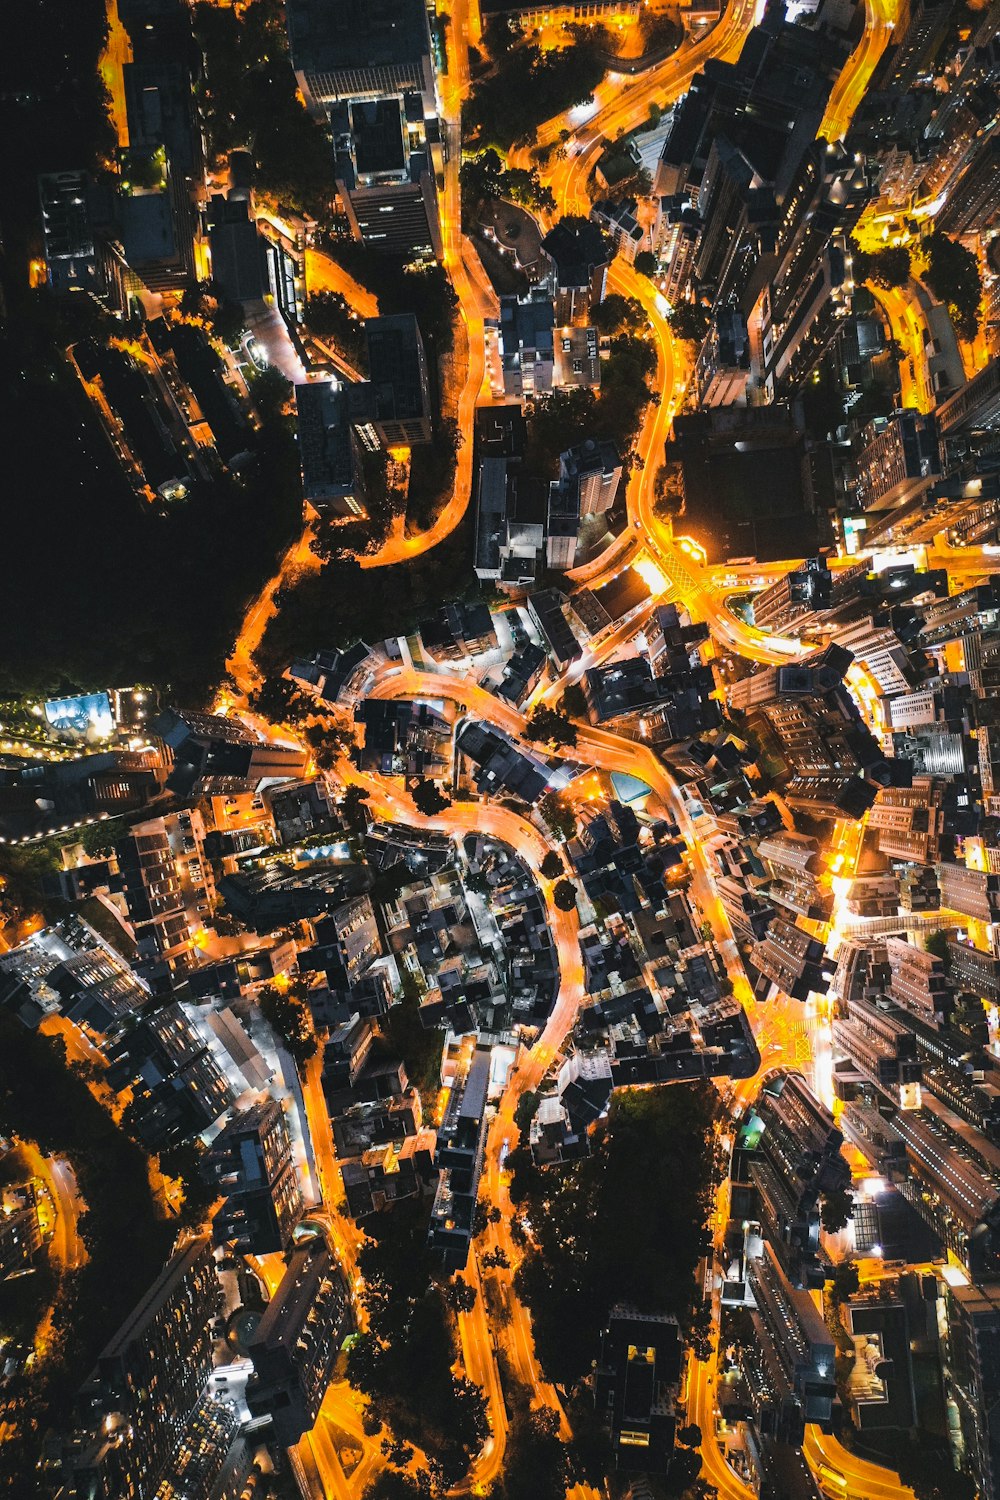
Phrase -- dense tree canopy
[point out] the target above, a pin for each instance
(550, 726)
(249, 100)
(528, 86)
(404, 1361)
(953, 276)
(625, 1225)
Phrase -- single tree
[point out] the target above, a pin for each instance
(836, 1210)
(690, 320)
(690, 1436)
(846, 1280)
(429, 799)
(461, 1296)
(558, 815)
(550, 726)
(552, 866)
(564, 895)
(645, 263)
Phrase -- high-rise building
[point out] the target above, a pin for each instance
(919, 982)
(254, 1171)
(636, 1379)
(802, 1352)
(71, 254)
(898, 459)
(147, 1383)
(973, 1318)
(178, 1089)
(909, 820)
(216, 755)
(791, 958)
(918, 33)
(723, 365)
(973, 203)
(297, 1341)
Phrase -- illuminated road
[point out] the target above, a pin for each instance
(117, 52)
(910, 332)
(325, 275)
(476, 303)
(849, 89)
(703, 593)
(241, 668)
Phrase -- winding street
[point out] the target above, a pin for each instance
(619, 106)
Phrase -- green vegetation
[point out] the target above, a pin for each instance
(43, 1100)
(646, 263)
(564, 418)
(886, 268)
(558, 815)
(330, 317)
(288, 1015)
(534, 1466)
(836, 1209)
(418, 1045)
(404, 1362)
(564, 895)
(552, 866)
(60, 618)
(429, 799)
(668, 491)
(628, 1224)
(484, 176)
(550, 726)
(953, 276)
(617, 314)
(249, 100)
(690, 320)
(527, 86)
(53, 103)
(338, 603)
(181, 580)
(393, 1485)
(573, 701)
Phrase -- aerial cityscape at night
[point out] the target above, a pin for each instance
(499, 798)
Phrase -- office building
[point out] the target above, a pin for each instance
(636, 1380)
(798, 1347)
(385, 176)
(239, 258)
(253, 1168)
(332, 482)
(218, 756)
(898, 460)
(398, 391)
(909, 821)
(72, 260)
(360, 49)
